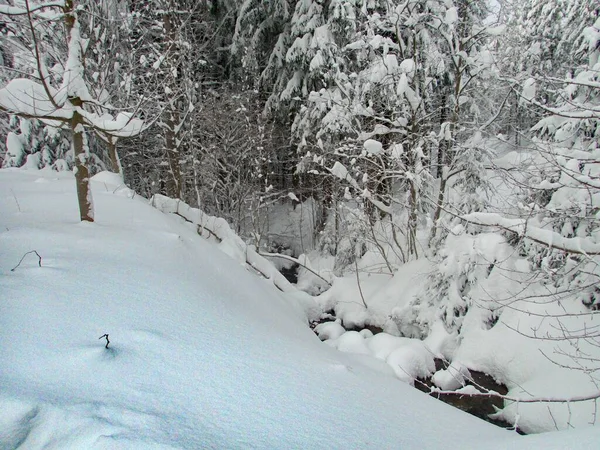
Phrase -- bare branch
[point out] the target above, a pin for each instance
(32, 251)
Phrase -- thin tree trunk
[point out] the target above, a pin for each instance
(438, 208)
(412, 222)
(80, 151)
(174, 187)
(114, 156)
(174, 184)
(82, 173)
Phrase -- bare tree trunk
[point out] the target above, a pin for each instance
(443, 145)
(82, 173)
(439, 206)
(448, 152)
(115, 162)
(412, 221)
(174, 185)
(80, 151)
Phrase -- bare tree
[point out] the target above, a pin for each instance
(66, 101)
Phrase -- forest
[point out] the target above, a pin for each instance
(420, 177)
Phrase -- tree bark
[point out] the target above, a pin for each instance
(82, 173)
(115, 162)
(174, 183)
(174, 187)
(80, 152)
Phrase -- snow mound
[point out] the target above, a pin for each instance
(350, 342)
(454, 377)
(382, 344)
(329, 330)
(412, 361)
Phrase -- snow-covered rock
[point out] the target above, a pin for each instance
(454, 377)
(329, 330)
(411, 361)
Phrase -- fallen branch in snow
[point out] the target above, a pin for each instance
(296, 261)
(16, 201)
(32, 251)
(580, 398)
(107, 341)
(200, 227)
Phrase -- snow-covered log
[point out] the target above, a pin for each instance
(230, 242)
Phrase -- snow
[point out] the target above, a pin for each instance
(329, 330)
(350, 342)
(15, 152)
(504, 311)
(452, 378)
(408, 66)
(537, 234)
(529, 91)
(451, 16)
(339, 170)
(373, 147)
(203, 353)
(409, 359)
(412, 361)
(29, 98)
(73, 84)
(37, 10)
(123, 125)
(496, 31)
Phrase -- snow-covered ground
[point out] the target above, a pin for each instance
(202, 354)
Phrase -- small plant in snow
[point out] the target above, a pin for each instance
(105, 336)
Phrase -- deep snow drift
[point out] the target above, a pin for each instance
(203, 354)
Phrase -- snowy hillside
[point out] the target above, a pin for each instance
(202, 354)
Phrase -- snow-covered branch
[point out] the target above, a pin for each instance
(541, 236)
(9, 10)
(473, 392)
(231, 243)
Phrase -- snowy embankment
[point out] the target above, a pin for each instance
(203, 354)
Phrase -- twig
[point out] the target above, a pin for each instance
(16, 201)
(358, 283)
(32, 251)
(489, 394)
(107, 341)
(553, 419)
(296, 261)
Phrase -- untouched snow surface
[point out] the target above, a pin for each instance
(203, 354)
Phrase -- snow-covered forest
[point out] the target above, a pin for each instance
(216, 185)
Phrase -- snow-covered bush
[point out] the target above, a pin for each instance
(465, 261)
(36, 146)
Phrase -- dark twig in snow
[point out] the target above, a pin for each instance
(294, 260)
(32, 251)
(358, 283)
(107, 341)
(568, 401)
(16, 201)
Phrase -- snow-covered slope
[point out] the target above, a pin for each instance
(203, 354)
